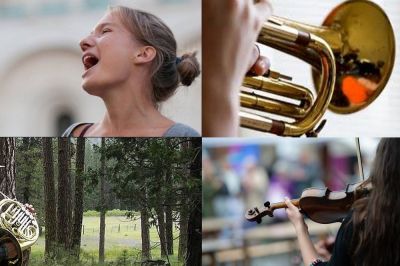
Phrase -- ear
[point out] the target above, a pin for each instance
(145, 54)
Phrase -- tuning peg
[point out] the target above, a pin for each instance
(258, 220)
(251, 212)
(267, 204)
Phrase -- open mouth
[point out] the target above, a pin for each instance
(89, 61)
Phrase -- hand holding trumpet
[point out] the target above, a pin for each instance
(228, 58)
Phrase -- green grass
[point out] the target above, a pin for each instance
(121, 234)
(115, 212)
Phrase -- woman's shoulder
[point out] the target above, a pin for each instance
(76, 128)
(176, 130)
(181, 130)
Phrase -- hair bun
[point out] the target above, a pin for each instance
(188, 68)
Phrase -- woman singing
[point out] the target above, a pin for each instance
(130, 62)
(369, 236)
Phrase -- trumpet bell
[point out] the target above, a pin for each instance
(365, 59)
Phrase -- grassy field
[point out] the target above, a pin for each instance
(121, 234)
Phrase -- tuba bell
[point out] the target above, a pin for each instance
(17, 225)
(352, 57)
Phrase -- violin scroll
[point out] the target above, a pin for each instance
(255, 215)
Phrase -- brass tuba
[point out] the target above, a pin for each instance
(17, 225)
(352, 56)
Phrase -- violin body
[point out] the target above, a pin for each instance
(324, 206)
(320, 205)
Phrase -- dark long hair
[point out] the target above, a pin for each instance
(376, 218)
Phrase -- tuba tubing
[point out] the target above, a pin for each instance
(20, 224)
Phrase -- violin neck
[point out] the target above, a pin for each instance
(282, 204)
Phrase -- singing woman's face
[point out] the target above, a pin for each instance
(107, 54)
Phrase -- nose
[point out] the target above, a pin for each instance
(86, 43)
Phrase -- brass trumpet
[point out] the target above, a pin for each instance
(352, 56)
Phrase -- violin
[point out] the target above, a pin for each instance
(320, 205)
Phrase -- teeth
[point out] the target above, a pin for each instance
(89, 61)
(87, 58)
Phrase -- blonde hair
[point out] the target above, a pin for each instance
(168, 70)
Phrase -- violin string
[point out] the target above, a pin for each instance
(359, 158)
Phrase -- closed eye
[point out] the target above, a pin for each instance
(105, 30)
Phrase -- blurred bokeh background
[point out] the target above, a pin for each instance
(380, 118)
(40, 62)
(239, 174)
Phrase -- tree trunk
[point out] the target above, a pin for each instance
(184, 212)
(78, 208)
(183, 230)
(168, 215)
(7, 167)
(63, 210)
(144, 219)
(193, 254)
(7, 177)
(49, 197)
(161, 228)
(27, 173)
(169, 229)
(102, 204)
(70, 196)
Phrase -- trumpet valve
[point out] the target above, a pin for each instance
(276, 75)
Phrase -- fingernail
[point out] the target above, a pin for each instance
(263, 65)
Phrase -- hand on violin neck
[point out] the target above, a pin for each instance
(307, 248)
(294, 215)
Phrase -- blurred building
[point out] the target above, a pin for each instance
(380, 118)
(40, 62)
